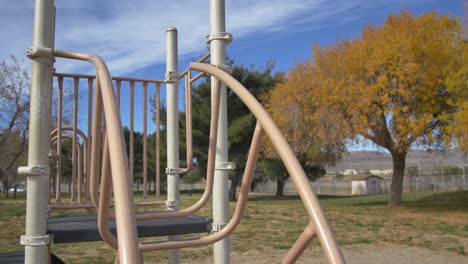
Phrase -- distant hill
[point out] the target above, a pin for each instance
(372, 160)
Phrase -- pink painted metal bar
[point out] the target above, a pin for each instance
(239, 210)
(79, 159)
(132, 136)
(118, 85)
(86, 76)
(96, 145)
(58, 184)
(202, 59)
(145, 141)
(209, 174)
(83, 175)
(158, 139)
(88, 154)
(124, 208)
(300, 245)
(310, 200)
(76, 82)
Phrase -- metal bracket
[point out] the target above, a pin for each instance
(225, 166)
(173, 171)
(35, 241)
(224, 36)
(172, 77)
(172, 203)
(33, 171)
(217, 227)
(224, 67)
(38, 53)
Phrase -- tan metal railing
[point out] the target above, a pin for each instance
(94, 186)
(114, 169)
(318, 224)
(82, 183)
(93, 182)
(105, 104)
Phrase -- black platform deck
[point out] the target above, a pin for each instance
(17, 257)
(83, 228)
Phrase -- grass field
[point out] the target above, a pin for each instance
(434, 221)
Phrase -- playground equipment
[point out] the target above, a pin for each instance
(107, 157)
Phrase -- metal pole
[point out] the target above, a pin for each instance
(76, 82)
(158, 158)
(218, 39)
(88, 142)
(132, 136)
(145, 141)
(58, 183)
(39, 129)
(172, 85)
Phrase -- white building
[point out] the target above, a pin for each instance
(368, 184)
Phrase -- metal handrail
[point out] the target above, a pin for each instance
(123, 200)
(318, 224)
(296, 172)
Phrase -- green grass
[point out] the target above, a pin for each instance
(437, 221)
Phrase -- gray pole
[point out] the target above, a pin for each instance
(172, 85)
(218, 39)
(35, 240)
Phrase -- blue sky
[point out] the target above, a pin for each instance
(129, 34)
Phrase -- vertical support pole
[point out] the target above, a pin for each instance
(118, 85)
(76, 83)
(39, 129)
(58, 179)
(217, 40)
(145, 141)
(172, 85)
(88, 146)
(158, 140)
(132, 136)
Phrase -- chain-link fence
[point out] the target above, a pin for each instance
(424, 180)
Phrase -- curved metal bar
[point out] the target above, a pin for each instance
(201, 59)
(85, 172)
(81, 156)
(203, 241)
(70, 128)
(104, 199)
(301, 243)
(124, 208)
(310, 200)
(95, 146)
(188, 124)
(209, 174)
(240, 206)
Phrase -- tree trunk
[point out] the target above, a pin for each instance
(396, 189)
(280, 182)
(233, 188)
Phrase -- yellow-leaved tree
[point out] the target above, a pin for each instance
(399, 85)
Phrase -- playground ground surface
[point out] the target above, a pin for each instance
(428, 228)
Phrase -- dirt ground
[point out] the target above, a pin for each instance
(361, 253)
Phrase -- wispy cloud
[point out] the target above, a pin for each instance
(130, 34)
